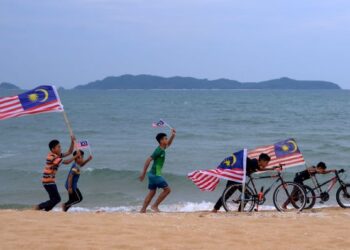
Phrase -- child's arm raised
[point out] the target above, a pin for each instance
(172, 137)
(71, 148)
(143, 174)
(86, 161)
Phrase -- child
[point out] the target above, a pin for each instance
(253, 165)
(155, 179)
(304, 175)
(72, 180)
(53, 161)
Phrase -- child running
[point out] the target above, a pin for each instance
(155, 179)
(53, 161)
(72, 180)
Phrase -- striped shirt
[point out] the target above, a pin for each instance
(53, 162)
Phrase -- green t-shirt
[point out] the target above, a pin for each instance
(158, 157)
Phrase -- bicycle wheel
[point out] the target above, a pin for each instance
(343, 196)
(310, 197)
(289, 196)
(232, 197)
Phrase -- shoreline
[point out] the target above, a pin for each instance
(322, 228)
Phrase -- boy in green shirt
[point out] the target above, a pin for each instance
(155, 179)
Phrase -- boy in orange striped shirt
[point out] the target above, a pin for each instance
(53, 161)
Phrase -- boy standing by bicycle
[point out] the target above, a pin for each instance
(253, 165)
(304, 175)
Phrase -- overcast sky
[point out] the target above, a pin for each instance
(71, 42)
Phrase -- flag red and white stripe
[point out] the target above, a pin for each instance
(11, 107)
(290, 160)
(207, 180)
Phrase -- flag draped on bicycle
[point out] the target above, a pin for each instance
(286, 153)
(231, 168)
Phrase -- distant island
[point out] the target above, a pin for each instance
(177, 82)
(8, 86)
(157, 82)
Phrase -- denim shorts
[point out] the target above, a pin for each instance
(155, 182)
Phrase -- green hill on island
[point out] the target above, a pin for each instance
(157, 82)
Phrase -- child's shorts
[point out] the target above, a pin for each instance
(155, 182)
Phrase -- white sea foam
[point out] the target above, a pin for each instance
(171, 208)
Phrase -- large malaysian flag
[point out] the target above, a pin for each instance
(42, 99)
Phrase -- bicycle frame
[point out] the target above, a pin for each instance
(332, 182)
(279, 179)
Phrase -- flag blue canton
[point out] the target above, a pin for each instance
(37, 97)
(286, 147)
(235, 161)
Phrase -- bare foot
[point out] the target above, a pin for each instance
(64, 209)
(36, 207)
(143, 211)
(155, 209)
(214, 211)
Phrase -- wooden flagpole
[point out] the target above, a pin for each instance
(68, 123)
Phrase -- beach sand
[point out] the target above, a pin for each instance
(316, 229)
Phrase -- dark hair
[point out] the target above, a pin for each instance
(53, 144)
(160, 136)
(81, 153)
(264, 157)
(322, 165)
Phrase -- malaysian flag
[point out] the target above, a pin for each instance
(42, 99)
(84, 144)
(286, 153)
(232, 168)
(159, 124)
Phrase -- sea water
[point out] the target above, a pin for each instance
(210, 124)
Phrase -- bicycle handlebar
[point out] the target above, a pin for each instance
(280, 167)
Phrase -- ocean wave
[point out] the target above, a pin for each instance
(181, 207)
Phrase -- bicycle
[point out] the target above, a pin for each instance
(342, 194)
(285, 191)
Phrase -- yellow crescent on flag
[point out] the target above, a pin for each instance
(45, 93)
(294, 145)
(234, 160)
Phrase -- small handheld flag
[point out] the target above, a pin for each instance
(84, 144)
(42, 99)
(161, 124)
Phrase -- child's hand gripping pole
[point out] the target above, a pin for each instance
(70, 130)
